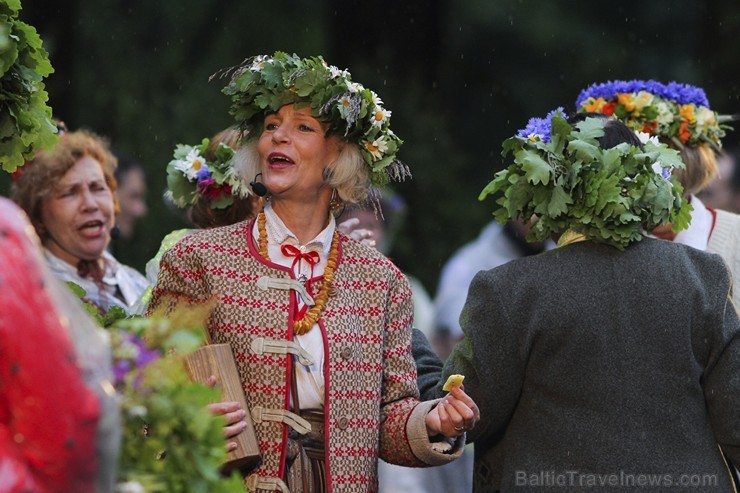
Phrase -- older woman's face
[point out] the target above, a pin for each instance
(294, 152)
(78, 215)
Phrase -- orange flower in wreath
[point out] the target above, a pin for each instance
(625, 100)
(608, 108)
(650, 127)
(687, 113)
(594, 105)
(684, 134)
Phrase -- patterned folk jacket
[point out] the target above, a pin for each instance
(371, 407)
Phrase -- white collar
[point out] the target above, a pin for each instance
(279, 234)
(110, 266)
(700, 227)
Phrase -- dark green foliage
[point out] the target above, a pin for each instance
(570, 183)
(25, 118)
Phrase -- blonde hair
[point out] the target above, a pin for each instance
(701, 167)
(348, 174)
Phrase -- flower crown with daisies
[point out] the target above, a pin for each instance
(263, 84)
(679, 112)
(190, 177)
(562, 176)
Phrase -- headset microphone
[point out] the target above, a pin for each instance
(258, 188)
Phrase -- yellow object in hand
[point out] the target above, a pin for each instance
(453, 382)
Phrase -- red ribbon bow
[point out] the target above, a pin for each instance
(312, 258)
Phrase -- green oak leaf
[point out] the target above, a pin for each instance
(23, 98)
(498, 182)
(559, 202)
(590, 128)
(608, 192)
(583, 150)
(536, 169)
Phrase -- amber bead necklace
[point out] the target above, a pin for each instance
(309, 319)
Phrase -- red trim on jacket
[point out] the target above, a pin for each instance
(714, 220)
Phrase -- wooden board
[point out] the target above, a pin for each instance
(218, 360)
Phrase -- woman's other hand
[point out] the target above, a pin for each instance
(350, 228)
(234, 415)
(455, 414)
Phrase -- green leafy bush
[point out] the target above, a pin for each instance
(170, 441)
(25, 118)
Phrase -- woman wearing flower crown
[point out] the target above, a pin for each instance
(320, 325)
(679, 115)
(585, 380)
(201, 180)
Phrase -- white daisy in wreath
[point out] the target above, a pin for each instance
(192, 163)
(337, 72)
(259, 63)
(380, 116)
(354, 87)
(646, 137)
(377, 147)
(376, 99)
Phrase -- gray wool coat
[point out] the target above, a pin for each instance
(602, 370)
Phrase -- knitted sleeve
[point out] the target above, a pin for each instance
(403, 436)
(181, 277)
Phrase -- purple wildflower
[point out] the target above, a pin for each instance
(140, 358)
(204, 174)
(121, 368)
(541, 126)
(673, 91)
(686, 94)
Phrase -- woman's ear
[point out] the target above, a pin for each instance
(326, 174)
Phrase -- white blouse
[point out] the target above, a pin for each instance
(309, 379)
(121, 284)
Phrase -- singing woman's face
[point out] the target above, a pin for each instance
(294, 152)
(78, 215)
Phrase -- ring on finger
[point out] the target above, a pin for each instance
(458, 428)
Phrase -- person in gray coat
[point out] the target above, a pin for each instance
(611, 363)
